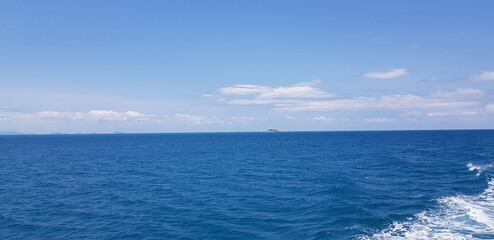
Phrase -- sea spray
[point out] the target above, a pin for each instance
(479, 168)
(456, 217)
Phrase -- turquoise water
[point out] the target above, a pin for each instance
(288, 185)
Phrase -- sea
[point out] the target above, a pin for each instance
(284, 185)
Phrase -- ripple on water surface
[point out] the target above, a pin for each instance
(301, 185)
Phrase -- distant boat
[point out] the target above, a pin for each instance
(273, 130)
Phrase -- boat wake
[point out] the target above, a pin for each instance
(479, 168)
(456, 217)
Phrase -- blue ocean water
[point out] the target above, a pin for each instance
(287, 185)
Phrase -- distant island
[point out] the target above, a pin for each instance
(273, 130)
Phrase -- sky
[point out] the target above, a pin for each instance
(231, 66)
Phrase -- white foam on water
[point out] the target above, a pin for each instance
(479, 168)
(458, 217)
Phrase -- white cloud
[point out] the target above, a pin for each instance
(258, 101)
(15, 116)
(300, 90)
(379, 120)
(489, 108)
(484, 76)
(105, 115)
(243, 120)
(457, 93)
(393, 73)
(61, 115)
(309, 83)
(455, 102)
(323, 119)
(295, 92)
(93, 115)
(34, 101)
(196, 120)
(114, 116)
(243, 89)
(96, 115)
(391, 102)
(446, 114)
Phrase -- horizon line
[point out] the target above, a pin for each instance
(10, 133)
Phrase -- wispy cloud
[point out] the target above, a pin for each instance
(295, 92)
(93, 115)
(393, 73)
(278, 102)
(458, 102)
(489, 108)
(391, 102)
(196, 120)
(323, 119)
(457, 93)
(484, 76)
(300, 90)
(379, 120)
(15, 116)
(243, 120)
(453, 113)
(97, 115)
(244, 89)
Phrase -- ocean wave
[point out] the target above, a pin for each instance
(456, 217)
(479, 168)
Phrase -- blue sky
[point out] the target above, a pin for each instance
(193, 66)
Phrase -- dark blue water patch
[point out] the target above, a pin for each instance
(295, 185)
